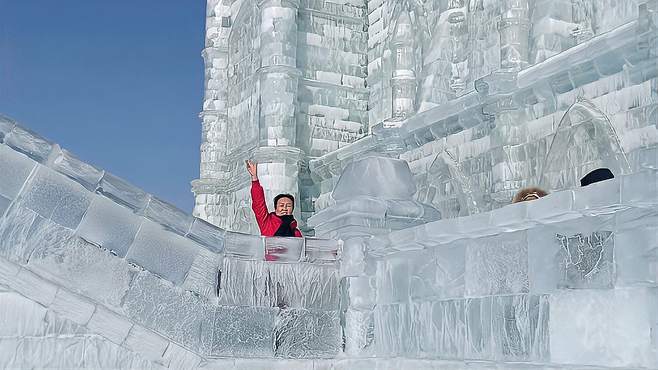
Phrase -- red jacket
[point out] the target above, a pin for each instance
(267, 222)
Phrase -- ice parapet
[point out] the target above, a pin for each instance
(15, 169)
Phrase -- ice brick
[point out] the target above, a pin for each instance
(393, 279)
(109, 225)
(177, 357)
(21, 317)
(72, 307)
(15, 169)
(168, 216)
(29, 143)
(554, 207)
(284, 249)
(520, 327)
(302, 333)
(23, 230)
(33, 287)
(244, 246)
(279, 285)
(640, 188)
(109, 325)
(163, 252)
(123, 192)
(56, 197)
(601, 197)
(587, 260)
(83, 268)
(321, 250)
(636, 256)
(203, 277)
(479, 320)
(393, 331)
(441, 328)
(572, 254)
(208, 235)
(179, 315)
(50, 353)
(145, 342)
(102, 354)
(438, 273)
(603, 327)
(244, 331)
(497, 265)
(84, 173)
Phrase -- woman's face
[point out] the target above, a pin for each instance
(283, 207)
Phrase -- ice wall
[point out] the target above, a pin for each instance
(489, 101)
(565, 282)
(95, 272)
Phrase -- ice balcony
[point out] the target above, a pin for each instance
(90, 265)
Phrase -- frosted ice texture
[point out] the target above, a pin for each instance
(244, 331)
(439, 273)
(54, 196)
(587, 260)
(244, 246)
(248, 283)
(15, 169)
(497, 265)
(109, 225)
(32, 337)
(203, 277)
(302, 333)
(180, 315)
(82, 267)
(163, 252)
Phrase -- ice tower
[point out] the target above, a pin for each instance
(404, 128)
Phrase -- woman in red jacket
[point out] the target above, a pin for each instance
(281, 222)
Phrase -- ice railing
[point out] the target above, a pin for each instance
(567, 280)
(150, 277)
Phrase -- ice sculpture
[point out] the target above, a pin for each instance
(403, 128)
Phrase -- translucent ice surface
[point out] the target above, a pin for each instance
(168, 215)
(284, 249)
(244, 331)
(123, 192)
(82, 172)
(244, 246)
(57, 197)
(207, 235)
(109, 225)
(180, 315)
(394, 173)
(605, 327)
(163, 252)
(302, 334)
(15, 168)
(29, 143)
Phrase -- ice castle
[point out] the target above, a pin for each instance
(403, 128)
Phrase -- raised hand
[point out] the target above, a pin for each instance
(252, 168)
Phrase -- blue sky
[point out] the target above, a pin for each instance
(119, 83)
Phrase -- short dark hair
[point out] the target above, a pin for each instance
(599, 174)
(276, 199)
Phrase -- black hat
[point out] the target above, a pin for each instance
(600, 174)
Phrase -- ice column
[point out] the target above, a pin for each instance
(373, 196)
(404, 68)
(278, 158)
(514, 35)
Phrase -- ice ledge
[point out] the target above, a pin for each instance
(638, 191)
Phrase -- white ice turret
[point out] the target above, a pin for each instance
(404, 67)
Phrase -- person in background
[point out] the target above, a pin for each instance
(600, 174)
(528, 194)
(281, 222)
